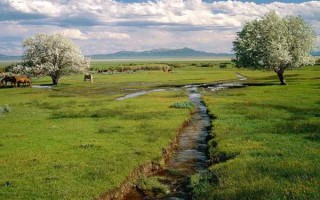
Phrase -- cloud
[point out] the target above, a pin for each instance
(36, 7)
(142, 25)
(191, 12)
(72, 34)
(108, 35)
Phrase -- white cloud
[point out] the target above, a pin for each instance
(12, 29)
(139, 26)
(108, 35)
(48, 8)
(192, 12)
(72, 34)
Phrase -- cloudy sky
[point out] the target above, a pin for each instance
(106, 26)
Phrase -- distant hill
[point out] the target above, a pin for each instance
(159, 53)
(155, 53)
(9, 58)
(316, 53)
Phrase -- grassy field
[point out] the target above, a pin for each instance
(268, 140)
(76, 141)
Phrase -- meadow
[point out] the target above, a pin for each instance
(266, 141)
(76, 141)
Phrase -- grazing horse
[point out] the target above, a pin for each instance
(22, 79)
(7, 79)
(88, 77)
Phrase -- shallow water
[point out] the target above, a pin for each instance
(241, 77)
(221, 86)
(137, 94)
(42, 86)
(189, 158)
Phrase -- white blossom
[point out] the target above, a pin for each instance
(275, 43)
(54, 55)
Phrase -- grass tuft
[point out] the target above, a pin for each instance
(183, 105)
(5, 109)
(201, 183)
(153, 185)
(86, 146)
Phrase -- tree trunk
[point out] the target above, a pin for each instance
(55, 80)
(280, 76)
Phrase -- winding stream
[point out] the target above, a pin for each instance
(190, 157)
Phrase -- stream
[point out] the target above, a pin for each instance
(190, 157)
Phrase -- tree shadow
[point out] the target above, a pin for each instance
(5, 87)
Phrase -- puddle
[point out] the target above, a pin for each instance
(241, 77)
(221, 86)
(140, 93)
(42, 86)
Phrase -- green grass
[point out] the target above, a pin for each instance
(76, 141)
(61, 148)
(183, 105)
(267, 139)
(153, 185)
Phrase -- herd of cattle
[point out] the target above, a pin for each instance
(16, 81)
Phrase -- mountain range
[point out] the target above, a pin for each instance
(155, 53)
(9, 58)
(159, 53)
(151, 54)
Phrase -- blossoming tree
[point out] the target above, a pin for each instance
(53, 55)
(275, 43)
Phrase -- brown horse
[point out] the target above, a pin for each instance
(22, 79)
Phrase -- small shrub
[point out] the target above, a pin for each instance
(206, 65)
(7, 184)
(86, 146)
(103, 130)
(223, 65)
(184, 105)
(5, 109)
(177, 65)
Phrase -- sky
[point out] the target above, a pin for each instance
(107, 26)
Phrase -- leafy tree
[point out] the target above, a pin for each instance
(275, 43)
(53, 55)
